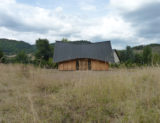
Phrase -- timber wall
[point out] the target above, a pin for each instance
(99, 65)
(68, 65)
(83, 65)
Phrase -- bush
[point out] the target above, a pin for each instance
(2, 59)
(22, 57)
(45, 64)
(147, 55)
(114, 65)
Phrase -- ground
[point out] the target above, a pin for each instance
(34, 95)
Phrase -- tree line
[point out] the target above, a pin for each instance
(131, 58)
(43, 56)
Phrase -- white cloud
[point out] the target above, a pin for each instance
(28, 23)
(108, 27)
(88, 7)
(20, 20)
(59, 9)
(24, 22)
(7, 1)
(130, 5)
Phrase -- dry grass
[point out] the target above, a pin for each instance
(29, 94)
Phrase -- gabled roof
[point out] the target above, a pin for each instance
(65, 51)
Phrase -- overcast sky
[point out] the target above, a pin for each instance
(123, 22)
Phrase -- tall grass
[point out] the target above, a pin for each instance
(29, 94)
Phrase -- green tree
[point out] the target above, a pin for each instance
(122, 55)
(156, 59)
(138, 58)
(44, 50)
(22, 57)
(1, 56)
(129, 54)
(1, 53)
(65, 40)
(147, 55)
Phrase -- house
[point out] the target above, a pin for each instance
(83, 56)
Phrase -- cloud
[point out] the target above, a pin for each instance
(7, 1)
(88, 7)
(108, 27)
(130, 5)
(146, 19)
(124, 23)
(59, 9)
(25, 22)
(143, 16)
(25, 19)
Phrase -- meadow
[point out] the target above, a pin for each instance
(34, 95)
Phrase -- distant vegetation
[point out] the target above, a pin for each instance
(139, 56)
(41, 54)
(10, 47)
(155, 48)
(44, 53)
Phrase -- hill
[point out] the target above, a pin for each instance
(11, 47)
(155, 48)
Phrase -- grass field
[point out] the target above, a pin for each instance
(33, 95)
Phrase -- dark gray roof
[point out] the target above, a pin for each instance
(65, 51)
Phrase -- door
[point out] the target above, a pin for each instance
(89, 64)
(77, 64)
(83, 64)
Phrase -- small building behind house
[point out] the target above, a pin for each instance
(83, 56)
(116, 57)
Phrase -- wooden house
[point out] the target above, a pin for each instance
(83, 56)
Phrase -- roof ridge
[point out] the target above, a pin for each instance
(73, 42)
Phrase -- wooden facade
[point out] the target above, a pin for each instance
(68, 65)
(83, 64)
(99, 65)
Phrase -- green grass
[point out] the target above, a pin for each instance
(29, 94)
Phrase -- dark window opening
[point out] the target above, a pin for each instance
(89, 64)
(77, 64)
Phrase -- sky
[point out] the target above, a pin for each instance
(123, 22)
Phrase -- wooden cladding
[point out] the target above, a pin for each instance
(99, 65)
(83, 64)
(69, 65)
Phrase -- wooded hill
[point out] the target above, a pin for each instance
(155, 48)
(10, 47)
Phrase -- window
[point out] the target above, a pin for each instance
(77, 64)
(89, 64)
